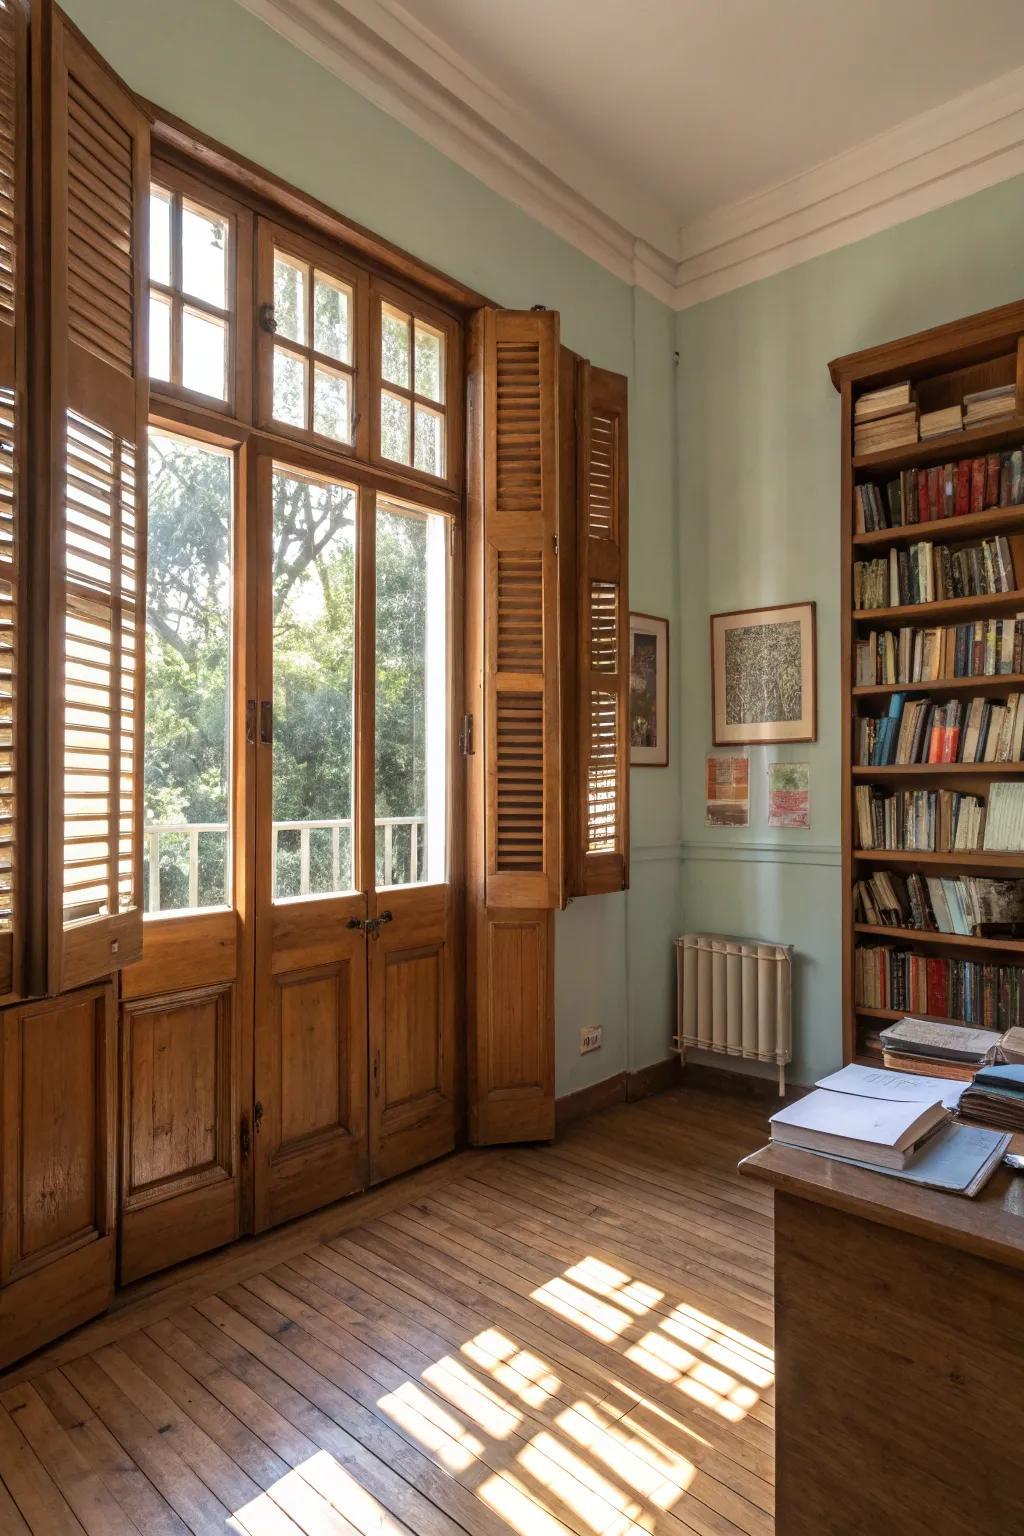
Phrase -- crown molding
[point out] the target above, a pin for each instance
(936, 158)
(384, 52)
(448, 104)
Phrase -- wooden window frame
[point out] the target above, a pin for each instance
(271, 238)
(239, 312)
(381, 293)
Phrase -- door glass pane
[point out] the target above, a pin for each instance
(429, 362)
(160, 236)
(204, 254)
(290, 298)
(394, 346)
(314, 531)
(331, 416)
(159, 337)
(429, 441)
(289, 402)
(331, 308)
(412, 696)
(203, 353)
(394, 427)
(187, 771)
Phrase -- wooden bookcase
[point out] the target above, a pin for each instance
(944, 364)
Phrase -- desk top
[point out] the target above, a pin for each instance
(991, 1225)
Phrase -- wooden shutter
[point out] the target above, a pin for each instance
(601, 812)
(513, 780)
(97, 221)
(14, 128)
(518, 362)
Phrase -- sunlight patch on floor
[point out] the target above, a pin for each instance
(599, 1435)
(586, 1312)
(531, 1379)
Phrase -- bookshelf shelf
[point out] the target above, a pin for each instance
(952, 608)
(946, 530)
(943, 365)
(952, 940)
(1005, 682)
(951, 445)
(939, 770)
(973, 859)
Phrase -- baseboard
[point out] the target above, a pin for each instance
(623, 1088)
(744, 1085)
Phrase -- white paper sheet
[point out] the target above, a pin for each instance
(902, 1087)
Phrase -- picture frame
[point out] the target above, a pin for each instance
(648, 691)
(764, 675)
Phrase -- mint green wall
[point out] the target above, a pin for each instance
(759, 524)
(220, 69)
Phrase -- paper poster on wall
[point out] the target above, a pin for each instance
(727, 792)
(789, 795)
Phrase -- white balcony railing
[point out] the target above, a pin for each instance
(340, 838)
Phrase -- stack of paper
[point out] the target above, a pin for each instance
(959, 1159)
(886, 1132)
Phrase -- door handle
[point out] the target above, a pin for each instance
(266, 722)
(355, 922)
(250, 722)
(373, 925)
(257, 1117)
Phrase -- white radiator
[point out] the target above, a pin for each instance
(735, 997)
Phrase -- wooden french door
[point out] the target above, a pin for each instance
(354, 1071)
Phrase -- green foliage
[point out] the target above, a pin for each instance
(188, 704)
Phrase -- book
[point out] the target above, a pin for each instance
(895, 428)
(928, 1066)
(874, 403)
(875, 1083)
(941, 1041)
(936, 423)
(882, 1132)
(996, 1098)
(1011, 1047)
(959, 1159)
(988, 994)
(987, 405)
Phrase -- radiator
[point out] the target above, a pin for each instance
(735, 998)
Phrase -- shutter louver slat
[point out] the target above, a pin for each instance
(601, 860)
(13, 209)
(101, 314)
(523, 815)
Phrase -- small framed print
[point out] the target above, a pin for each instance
(648, 691)
(763, 675)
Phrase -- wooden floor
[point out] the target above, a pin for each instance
(569, 1338)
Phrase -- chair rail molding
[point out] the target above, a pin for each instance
(937, 157)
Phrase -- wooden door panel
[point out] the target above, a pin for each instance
(179, 1115)
(412, 1031)
(58, 1167)
(310, 1141)
(512, 1058)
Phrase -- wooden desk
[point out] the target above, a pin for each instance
(900, 1352)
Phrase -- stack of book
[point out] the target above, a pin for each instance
(972, 906)
(930, 573)
(920, 820)
(926, 1045)
(885, 418)
(897, 1125)
(996, 1098)
(982, 648)
(989, 405)
(937, 423)
(989, 994)
(943, 491)
(977, 730)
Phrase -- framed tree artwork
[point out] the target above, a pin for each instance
(648, 691)
(763, 684)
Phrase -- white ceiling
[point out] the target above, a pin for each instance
(688, 127)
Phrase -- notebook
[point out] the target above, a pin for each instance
(880, 1132)
(877, 1083)
(959, 1159)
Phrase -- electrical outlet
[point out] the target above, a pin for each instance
(590, 1039)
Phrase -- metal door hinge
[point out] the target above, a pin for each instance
(244, 1139)
(250, 722)
(451, 537)
(257, 1117)
(466, 736)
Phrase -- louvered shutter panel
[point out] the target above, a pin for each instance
(99, 171)
(602, 478)
(14, 133)
(519, 369)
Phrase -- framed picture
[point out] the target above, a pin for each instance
(648, 691)
(763, 684)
